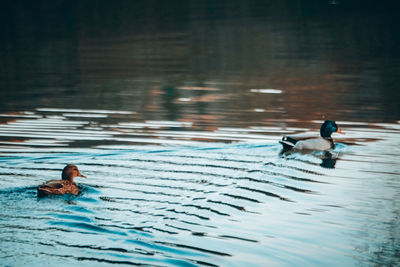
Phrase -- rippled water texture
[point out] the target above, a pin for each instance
(162, 193)
(173, 110)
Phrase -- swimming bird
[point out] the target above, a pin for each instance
(64, 186)
(304, 142)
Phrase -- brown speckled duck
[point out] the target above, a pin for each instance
(64, 186)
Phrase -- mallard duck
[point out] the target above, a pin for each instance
(304, 142)
(64, 186)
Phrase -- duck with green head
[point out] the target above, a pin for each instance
(64, 186)
(321, 143)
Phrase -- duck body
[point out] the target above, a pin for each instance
(312, 142)
(58, 187)
(64, 186)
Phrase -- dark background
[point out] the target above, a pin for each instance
(336, 59)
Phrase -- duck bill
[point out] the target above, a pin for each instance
(340, 131)
(81, 175)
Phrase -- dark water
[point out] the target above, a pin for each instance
(173, 110)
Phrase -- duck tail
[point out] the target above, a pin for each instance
(42, 192)
(288, 142)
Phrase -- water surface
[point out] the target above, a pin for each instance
(173, 110)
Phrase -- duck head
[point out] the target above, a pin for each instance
(70, 172)
(329, 127)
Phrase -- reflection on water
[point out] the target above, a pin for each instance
(174, 109)
(328, 159)
(335, 61)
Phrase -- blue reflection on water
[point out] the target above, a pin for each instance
(213, 204)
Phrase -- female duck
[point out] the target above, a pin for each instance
(321, 143)
(64, 186)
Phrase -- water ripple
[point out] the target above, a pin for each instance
(208, 198)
